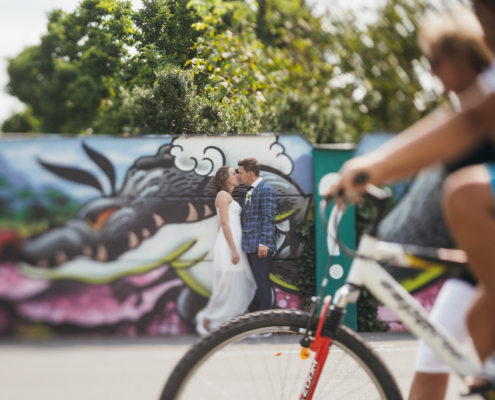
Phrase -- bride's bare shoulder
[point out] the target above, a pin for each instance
(223, 198)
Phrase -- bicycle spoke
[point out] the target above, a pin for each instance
(270, 368)
(277, 349)
(344, 380)
(328, 367)
(299, 372)
(267, 371)
(244, 381)
(287, 369)
(251, 373)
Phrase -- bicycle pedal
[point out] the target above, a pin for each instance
(487, 391)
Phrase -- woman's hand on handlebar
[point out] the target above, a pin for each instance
(355, 174)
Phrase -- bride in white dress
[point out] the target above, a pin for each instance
(233, 283)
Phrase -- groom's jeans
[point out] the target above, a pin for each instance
(261, 271)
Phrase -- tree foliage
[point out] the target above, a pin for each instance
(71, 78)
(173, 106)
(330, 77)
(247, 66)
(306, 263)
(166, 28)
(22, 122)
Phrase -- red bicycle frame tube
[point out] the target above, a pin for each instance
(320, 345)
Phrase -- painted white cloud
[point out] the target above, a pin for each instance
(22, 153)
(88, 165)
(205, 154)
(47, 178)
(67, 156)
(84, 192)
(150, 146)
(116, 157)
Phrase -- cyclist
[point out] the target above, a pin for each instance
(468, 196)
(453, 42)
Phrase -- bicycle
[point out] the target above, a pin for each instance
(228, 363)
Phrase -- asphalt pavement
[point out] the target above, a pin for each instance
(137, 368)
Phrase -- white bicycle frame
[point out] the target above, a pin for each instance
(366, 272)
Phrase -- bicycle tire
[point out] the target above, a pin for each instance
(264, 321)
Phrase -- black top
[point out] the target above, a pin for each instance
(482, 154)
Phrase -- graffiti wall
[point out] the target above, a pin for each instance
(115, 235)
(424, 285)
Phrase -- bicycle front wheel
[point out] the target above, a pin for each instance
(257, 356)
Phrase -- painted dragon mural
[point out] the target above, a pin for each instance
(424, 285)
(121, 239)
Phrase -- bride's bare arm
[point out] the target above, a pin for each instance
(223, 202)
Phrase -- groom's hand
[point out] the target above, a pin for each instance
(262, 251)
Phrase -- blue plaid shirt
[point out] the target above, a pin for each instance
(258, 219)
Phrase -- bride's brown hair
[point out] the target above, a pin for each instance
(220, 179)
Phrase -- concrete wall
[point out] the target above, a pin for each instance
(117, 233)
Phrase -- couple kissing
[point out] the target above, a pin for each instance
(244, 246)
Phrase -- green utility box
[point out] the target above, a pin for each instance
(329, 158)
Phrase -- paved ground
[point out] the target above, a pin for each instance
(398, 350)
(133, 369)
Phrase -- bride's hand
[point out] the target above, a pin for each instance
(235, 256)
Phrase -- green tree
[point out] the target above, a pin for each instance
(332, 84)
(306, 262)
(165, 28)
(23, 121)
(270, 65)
(173, 106)
(72, 77)
(385, 64)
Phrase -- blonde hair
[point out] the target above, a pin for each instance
(457, 34)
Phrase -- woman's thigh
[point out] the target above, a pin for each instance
(468, 187)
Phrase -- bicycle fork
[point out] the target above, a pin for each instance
(330, 319)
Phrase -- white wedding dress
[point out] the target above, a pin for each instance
(233, 284)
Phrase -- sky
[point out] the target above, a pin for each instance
(22, 23)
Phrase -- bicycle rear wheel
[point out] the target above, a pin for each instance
(230, 364)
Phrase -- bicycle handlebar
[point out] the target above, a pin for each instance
(377, 197)
(372, 193)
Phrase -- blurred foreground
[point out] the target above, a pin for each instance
(138, 368)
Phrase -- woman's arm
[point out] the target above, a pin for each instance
(223, 202)
(429, 141)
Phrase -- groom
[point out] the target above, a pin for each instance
(258, 229)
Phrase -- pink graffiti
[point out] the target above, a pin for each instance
(94, 306)
(15, 286)
(147, 277)
(286, 300)
(5, 320)
(126, 329)
(425, 297)
(168, 322)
